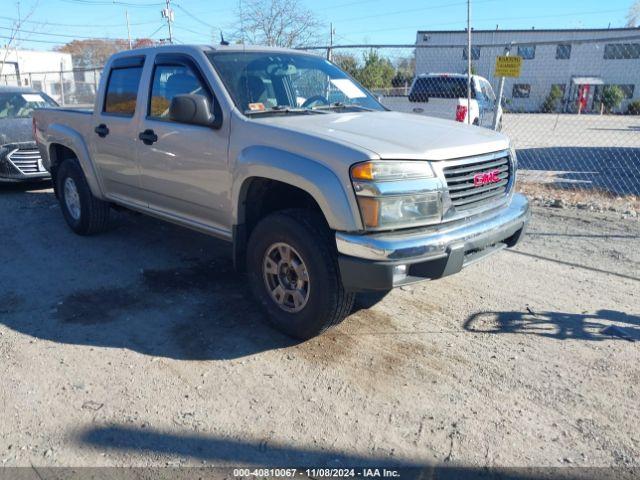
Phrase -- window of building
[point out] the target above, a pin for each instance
(122, 91)
(37, 85)
(521, 90)
(628, 90)
(621, 51)
(527, 52)
(563, 51)
(169, 81)
(475, 53)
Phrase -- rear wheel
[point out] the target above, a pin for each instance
(84, 213)
(293, 272)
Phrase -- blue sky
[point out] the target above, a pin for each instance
(355, 21)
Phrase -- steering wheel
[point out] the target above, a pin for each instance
(311, 101)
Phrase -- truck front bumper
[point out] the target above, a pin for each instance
(382, 261)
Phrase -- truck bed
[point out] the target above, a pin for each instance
(63, 117)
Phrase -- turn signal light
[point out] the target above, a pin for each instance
(362, 171)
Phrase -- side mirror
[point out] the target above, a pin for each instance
(193, 109)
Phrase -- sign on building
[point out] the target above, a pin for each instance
(508, 66)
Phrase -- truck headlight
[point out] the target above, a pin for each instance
(396, 194)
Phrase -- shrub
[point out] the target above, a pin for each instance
(634, 108)
(612, 97)
(552, 102)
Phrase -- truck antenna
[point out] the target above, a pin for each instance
(222, 40)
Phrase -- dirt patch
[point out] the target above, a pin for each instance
(101, 305)
(196, 277)
(546, 195)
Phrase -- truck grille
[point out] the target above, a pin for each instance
(27, 160)
(466, 194)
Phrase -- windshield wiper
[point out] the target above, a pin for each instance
(280, 109)
(342, 106)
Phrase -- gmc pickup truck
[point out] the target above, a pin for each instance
(321, 190)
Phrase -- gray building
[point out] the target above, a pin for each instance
(579, 62)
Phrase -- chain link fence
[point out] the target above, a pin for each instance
(573, 113)
(76, 87)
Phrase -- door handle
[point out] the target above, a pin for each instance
(148, 137)
(102, 130)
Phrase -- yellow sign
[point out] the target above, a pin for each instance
(508, 66)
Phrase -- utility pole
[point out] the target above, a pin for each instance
(126, 14)
(19, 26)
(330, 49)
(168, 14)
(469, 61)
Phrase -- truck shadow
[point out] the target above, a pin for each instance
(598, 326)
(145, 285)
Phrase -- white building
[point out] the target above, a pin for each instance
(579, 62)
(40, 70)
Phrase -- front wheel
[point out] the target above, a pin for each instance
(294, 274)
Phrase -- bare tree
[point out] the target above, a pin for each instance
(14, 33)
(633, 16)
(281, 23)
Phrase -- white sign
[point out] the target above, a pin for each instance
(349, 88)
(32, 97)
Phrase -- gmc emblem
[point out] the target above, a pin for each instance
(485, 178)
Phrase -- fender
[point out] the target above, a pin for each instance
(72, 139)
(312, 177)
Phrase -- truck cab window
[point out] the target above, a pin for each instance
(169, 81)
(122, 91)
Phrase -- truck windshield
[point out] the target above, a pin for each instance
(22, 104)
(276, 82)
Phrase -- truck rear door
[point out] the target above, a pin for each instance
(114, 130)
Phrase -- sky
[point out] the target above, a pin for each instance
(355, 21)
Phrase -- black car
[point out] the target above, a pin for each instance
(19, 157)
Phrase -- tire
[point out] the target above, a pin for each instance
(83, 212)
(320, 301)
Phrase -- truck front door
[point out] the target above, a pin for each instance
(184, 170)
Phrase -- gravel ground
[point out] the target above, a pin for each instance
(141, 347)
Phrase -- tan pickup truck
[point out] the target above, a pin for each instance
(323, 192)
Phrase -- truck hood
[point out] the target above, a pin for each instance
(15, 130)
(396, 135)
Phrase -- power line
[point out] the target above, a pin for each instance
(413, 10)
(156, 31)
(114, 2)
(194, 17)
(57, 34)
(487, 20)
(52, 42)
(84, 25)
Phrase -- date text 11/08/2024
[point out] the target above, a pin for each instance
(317, 472)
